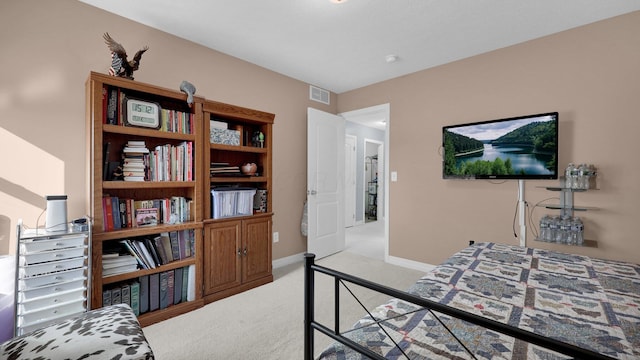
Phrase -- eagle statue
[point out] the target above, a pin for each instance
(120, 66)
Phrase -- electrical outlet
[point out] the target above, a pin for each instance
(276, 237)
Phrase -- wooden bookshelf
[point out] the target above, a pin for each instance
(231, 254)
(118, 134)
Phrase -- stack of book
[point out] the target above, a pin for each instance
(224, 169)
(116, 263)
(135, 157)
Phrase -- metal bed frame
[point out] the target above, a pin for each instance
(340, 278)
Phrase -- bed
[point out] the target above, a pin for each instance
(495, 301)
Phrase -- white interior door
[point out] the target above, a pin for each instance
(349, 180)
(325, 183)
(381, 183)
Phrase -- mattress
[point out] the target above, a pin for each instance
(591, 303)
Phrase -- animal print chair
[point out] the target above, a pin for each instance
(111, 332)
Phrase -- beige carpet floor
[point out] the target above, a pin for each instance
(266, 323)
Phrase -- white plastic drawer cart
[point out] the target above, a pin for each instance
(52, 276)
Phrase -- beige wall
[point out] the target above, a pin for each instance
(590, 75)
(48, 50)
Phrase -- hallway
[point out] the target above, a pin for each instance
(366, 239)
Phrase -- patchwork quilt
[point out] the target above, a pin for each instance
(591, 303)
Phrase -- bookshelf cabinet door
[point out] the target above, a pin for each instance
(257, 242)
(222, 256)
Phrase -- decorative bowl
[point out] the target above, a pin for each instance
(249, 168)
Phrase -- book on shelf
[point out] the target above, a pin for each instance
(125, 294)
(147, 217)
(144, 294)
(135, 297)
(223, 169)
(112, 107)
(113, 102)
(120, 264)
(147, 252)
(163, 295)
(119, 213)
(135, 157)
(175, 245)
(116, 296)
(176, 121)
(172, 162)
(178, 281)
(154, 292)
(135, 253)
(106, 297)
(150, 292)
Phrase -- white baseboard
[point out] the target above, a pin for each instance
(282, 262)
(410, 264)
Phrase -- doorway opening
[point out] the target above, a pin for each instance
(370, 235)
(372, 183)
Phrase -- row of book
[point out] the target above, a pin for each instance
(148, 252)
(172, 162)
(120, 213)
(163, 163)
(114, 110)
(153, 292)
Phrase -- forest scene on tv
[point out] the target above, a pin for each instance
(510, 148)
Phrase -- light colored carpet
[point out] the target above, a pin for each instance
(266, 323)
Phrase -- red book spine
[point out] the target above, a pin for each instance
(108, 209)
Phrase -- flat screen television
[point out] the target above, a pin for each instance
(523, 147)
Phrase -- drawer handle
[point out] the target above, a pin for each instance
(59, 278)
(59, 244)
(57, 289)
(59, 255)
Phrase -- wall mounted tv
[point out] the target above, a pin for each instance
(523, 147)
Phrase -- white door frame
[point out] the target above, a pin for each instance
(382, 112)
(366, 180)
(350, 180)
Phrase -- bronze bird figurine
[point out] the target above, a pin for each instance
(120, 66)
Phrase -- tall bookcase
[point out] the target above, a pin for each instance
(237, 250)
(108, 134)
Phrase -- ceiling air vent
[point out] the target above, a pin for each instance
(318, 94)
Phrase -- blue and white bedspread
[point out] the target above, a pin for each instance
(590, 303)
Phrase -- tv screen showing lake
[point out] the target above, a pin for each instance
(506, 148)
(523, 159)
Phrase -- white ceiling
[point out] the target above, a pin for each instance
(341, 47)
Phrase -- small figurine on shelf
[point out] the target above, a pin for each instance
(120, 66)
(188, 88)
(258, 139)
